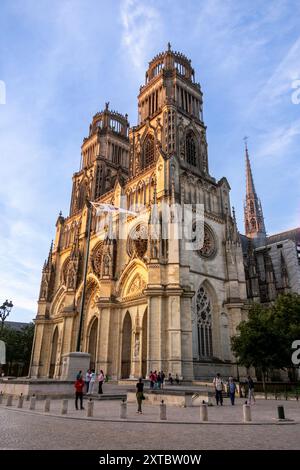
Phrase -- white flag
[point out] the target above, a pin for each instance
(102, 207)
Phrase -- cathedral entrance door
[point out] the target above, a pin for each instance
(126, 347)
(53, 353)
(92, 347)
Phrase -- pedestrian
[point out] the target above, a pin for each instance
(155, 380)
(79, 384)
(140, 394)
(87, 380)
(177, 379)
(170, 379)
(151, 379)
(100, 379)
(79, 375)
(162, 379)
(250, 390)
(159, 380)
(218, 384)
(92, 382)
(232, 389)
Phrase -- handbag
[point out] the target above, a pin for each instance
(143, 397)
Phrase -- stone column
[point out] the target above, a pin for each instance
(174, 354)
(186, 335)
(136, 368)
(154, 331)
(37, 347)
(102, 360)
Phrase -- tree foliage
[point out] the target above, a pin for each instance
(18, 344)
(264, 340)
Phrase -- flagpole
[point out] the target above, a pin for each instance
(86, 260)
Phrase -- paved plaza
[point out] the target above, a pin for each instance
(26, 429)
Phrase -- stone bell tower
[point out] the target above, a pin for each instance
(104, 157)
(170, 101)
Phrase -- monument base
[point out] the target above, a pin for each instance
(183, 398)
(72, 363)
(41, 388)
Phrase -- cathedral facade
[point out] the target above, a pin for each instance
(150, 304)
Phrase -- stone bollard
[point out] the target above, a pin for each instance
(90, 408)
(47, 405)
(64, 406)
(9, 400)
(163, 411)
(203, 412)
(280, 412)
(32, 402)
(20, 401)
(123, 409)
(1, 397)
(246, 413)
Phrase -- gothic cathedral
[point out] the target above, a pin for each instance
(150, 304)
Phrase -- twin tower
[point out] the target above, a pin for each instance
(150, 304)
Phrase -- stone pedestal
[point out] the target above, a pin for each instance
(72, 363)
(203, 412)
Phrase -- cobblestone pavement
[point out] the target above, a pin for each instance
(34, 430)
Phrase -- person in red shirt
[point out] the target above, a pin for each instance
(79, 384)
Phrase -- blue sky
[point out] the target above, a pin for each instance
(61, 60)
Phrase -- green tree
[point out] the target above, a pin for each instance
(257, 344)
(18, 345)
(285, 315)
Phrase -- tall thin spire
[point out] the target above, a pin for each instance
(250, 189)
(254, 220)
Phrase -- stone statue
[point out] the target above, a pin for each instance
(44, 289)
(71, 278)
(106, 265)
(136, 347)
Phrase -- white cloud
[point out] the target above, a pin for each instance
(278, 142)
(142, 27)
(280, 83)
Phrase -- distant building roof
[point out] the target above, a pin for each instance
(293, 234)
(15, 325)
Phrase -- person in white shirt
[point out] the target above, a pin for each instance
(92, 382)
(87, 380)
(218, 383)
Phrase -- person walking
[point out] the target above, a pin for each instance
(231, 389)
(92, 382)
(79, 384)
(250, 390)
(139, 394)
(177, 379)
(87, 380)
(218, 384)
(101, 380)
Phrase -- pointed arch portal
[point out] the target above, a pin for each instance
(126, 347)
(53, 353)
(92, 342)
